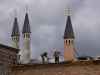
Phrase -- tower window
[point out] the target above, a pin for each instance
(66, 42)
(72, 42)
(24, 35)
(69, 42)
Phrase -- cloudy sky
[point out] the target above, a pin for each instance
(47, 22)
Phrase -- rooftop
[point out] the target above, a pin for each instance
(8, 47)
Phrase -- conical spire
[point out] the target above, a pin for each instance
(69, 29)
(15, 31)
(26, 27)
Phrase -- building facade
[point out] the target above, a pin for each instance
(8, 56)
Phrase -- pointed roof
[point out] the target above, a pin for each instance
(15, 30)
(26, 27)
(69, 29)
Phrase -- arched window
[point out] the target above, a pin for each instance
(66, 42)
(69, 42)
(72, 41)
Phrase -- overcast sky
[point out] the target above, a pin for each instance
(47, 22)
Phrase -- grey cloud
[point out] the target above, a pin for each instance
(47, 22)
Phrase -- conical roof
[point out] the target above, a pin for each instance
(15, 30)
(26, 27)
(69, 29)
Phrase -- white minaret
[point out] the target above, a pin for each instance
(15, 34)
(26, 51)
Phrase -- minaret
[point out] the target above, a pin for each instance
(26, 32)
(15, 34)
(69, 40)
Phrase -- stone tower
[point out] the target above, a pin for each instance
(69, 41)
(26, 32)
(15, 34)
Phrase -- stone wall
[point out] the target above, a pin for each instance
(8, 55)
(72, 68)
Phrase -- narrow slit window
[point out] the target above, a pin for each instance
(69, 41)
(66, 42)
(72, 41)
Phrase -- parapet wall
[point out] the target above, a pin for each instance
(68, 68)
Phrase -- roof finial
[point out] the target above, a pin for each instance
(26, 27)
(67, 12)
(15, 12)
(15, 30)
(26, 8)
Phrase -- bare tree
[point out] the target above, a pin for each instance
(44, 56)
(56, 56)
